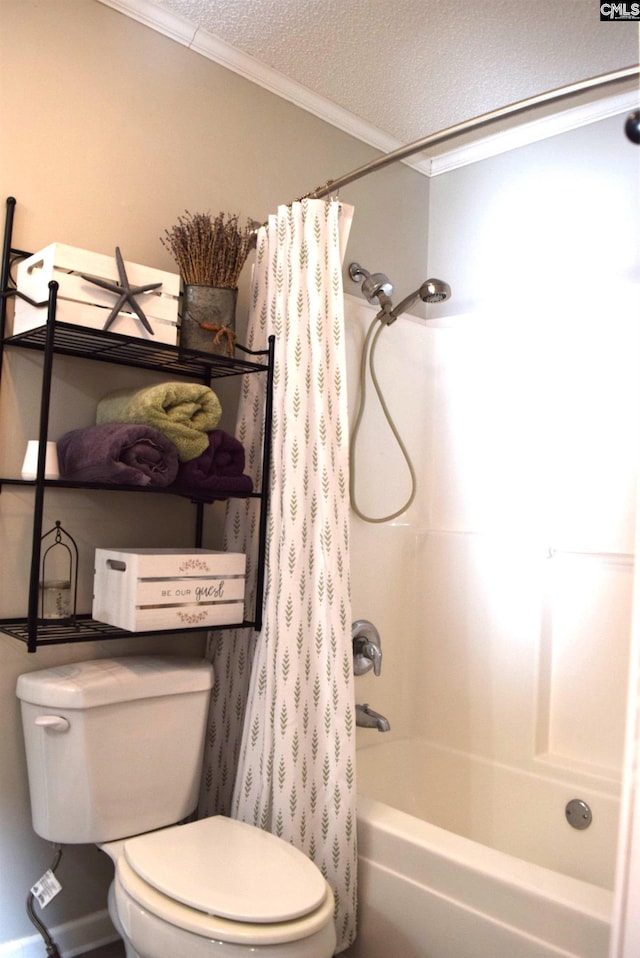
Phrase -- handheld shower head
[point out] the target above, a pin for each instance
(431, 291)
(434, 291)
(374, 283)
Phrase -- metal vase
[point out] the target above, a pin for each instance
(208, 319)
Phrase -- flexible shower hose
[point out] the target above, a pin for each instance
(368, 352)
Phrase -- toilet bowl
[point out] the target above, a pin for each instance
(218, 887)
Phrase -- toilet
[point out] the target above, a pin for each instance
(114, 751)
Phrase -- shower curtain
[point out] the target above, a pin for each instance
(294, 740)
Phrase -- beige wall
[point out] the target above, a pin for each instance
(109, 132)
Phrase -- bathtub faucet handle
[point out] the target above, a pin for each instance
(367, 653)
(372, 655)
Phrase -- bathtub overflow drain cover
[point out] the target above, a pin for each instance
(578, 813)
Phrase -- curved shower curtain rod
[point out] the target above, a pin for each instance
(331, 186)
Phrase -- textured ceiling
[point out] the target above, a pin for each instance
(413, 67)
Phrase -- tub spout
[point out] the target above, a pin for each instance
(367, 718)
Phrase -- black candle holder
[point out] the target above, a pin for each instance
(58, 591)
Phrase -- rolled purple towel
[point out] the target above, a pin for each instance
(125, 453)
(219, 468)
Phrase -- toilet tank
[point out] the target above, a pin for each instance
(114, 746)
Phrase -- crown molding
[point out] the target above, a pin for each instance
(211, 47)
(532, 131)
(156, 17)
(484, 146)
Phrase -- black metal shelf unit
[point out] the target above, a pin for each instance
(58, 338)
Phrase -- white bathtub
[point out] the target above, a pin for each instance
(427, 892)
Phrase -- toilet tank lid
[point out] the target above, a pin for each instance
(82, 685)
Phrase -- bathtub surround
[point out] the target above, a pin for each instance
(296, 772)
(507, 644)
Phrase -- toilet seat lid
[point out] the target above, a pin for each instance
(224, 867)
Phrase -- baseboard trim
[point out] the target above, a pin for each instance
(72, 938)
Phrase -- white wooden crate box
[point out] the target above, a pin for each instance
(84, 304)
(146, 589)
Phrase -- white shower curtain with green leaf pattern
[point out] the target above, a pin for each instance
(295, 755)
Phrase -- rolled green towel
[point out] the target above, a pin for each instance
(184, 412)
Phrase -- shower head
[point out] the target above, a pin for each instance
(434, 291)
(374, 286)
(431, 291)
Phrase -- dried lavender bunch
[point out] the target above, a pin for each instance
(209, 252)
